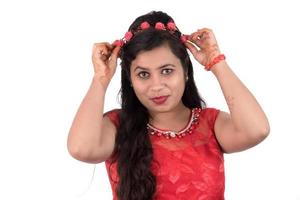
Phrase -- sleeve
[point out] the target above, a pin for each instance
(113, 115)
(211, 115)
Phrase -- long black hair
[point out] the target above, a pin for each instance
(133, 150)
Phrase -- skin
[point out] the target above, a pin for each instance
(158, 72)
(92, 135)
(246, 125)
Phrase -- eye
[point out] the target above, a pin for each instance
(143, 75)
(167, 71)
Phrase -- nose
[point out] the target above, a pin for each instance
(157, 84)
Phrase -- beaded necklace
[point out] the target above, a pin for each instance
(179, 134)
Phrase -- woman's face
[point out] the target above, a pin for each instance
(158, 79)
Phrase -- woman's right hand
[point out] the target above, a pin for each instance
(104, 59)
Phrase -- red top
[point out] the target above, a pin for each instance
(191, 167)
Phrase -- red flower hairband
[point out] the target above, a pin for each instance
(171, 27)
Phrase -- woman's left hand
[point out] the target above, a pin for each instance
(206, 41)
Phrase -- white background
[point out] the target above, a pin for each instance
(46, 69)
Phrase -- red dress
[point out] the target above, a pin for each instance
(190, 168)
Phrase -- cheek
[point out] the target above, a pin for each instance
(177, 86)
(138, 87)
(177, 82)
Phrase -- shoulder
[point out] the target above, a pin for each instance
(113, 115)
(210, 110)
(210, 114)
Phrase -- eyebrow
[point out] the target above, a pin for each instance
(145, 68)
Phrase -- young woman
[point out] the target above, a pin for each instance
(164, 143)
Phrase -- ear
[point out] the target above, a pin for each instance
(186, 76)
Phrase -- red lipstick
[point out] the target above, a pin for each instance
(159, 100)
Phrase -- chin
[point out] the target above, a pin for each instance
(160, 108)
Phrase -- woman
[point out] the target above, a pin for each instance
(164, 143)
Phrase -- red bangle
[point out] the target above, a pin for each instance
(215, 61)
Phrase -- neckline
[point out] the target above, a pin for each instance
(188, 129)
(185, 127)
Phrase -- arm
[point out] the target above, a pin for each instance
(91, 136)
(246, 125)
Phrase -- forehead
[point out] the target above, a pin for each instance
(155, 57)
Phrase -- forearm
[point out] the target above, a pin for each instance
(85, 132)
(246, 113)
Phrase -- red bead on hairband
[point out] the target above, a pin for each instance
(145, 25)
(171, 27)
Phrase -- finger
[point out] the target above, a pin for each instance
(103, 57)
(110, 46)
(99, 57)
(102, 44)
(200, 35)
(103, 48)
(99, 50)
(191, 47)
(103, 54)
(114, 56)
(204, 29)
(115, 52)
(197, 36)
(99, 54)
(196, 39)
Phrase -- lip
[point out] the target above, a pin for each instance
(159, 100)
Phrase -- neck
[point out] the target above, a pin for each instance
(174, 119)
